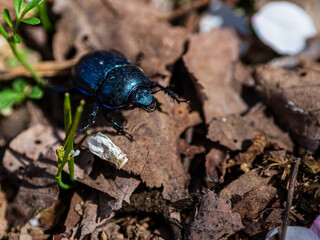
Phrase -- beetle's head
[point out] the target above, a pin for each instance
(143, 98)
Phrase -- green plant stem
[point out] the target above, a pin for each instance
(67, 112)
(15, 29)
(26, 64)
(59, 181)
(71, 161)
(61, 164)
(71, 169)
(70, 127)
(45, 20)
(74, 125)
(69, 142)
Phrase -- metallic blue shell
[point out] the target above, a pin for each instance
(118, 85)
(109, 76)
(92, 69)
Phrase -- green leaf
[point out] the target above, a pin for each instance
(8, 97)
(4, 33)
(17, 6)
(6, 16)
(17, 38)
(30, 6)
(36, 93)
(31, 20)
(19, 85)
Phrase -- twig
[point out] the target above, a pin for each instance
(187, 159)
(185, 9)
(293, 179)
(44, 69)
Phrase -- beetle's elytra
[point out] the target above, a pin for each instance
(116, 83)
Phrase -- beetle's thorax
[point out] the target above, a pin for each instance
(142, 98)
(119, 84)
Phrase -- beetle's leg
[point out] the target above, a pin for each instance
(172, 94)
(58, 89)
(161, 89)
(118, 127)
(92, 117)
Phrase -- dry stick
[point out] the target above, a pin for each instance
(185, 9)
(44, 69)
(284, 226)
(187, 159)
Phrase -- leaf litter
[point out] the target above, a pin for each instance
(235, 144)
(214, 219)
(234, 131)
(211, 63)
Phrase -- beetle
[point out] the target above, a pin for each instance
(109, 76)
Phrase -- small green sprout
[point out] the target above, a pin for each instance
(13, 39)
(19, 92)
(67, 152)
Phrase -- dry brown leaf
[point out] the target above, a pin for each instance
(3, 209)
(242, 76)
(24, 116)
(276, 216)
(74, 214)
(210, 59)
(254, 201)
(89, 220)
(258, 145)
(130, 27)
(244, 184)
(214, 219)
(39, 140)
(213, 161)
(152, 201)
(28, 158)
(117, 184)
(189, 150)
(252, 194)
(37, 191)
(52, 216)
(293, 96)
(19, 119)
(234, 131)
(97, 208)
(26, 148)
(154, 153)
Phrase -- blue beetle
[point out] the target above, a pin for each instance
(116, 83)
